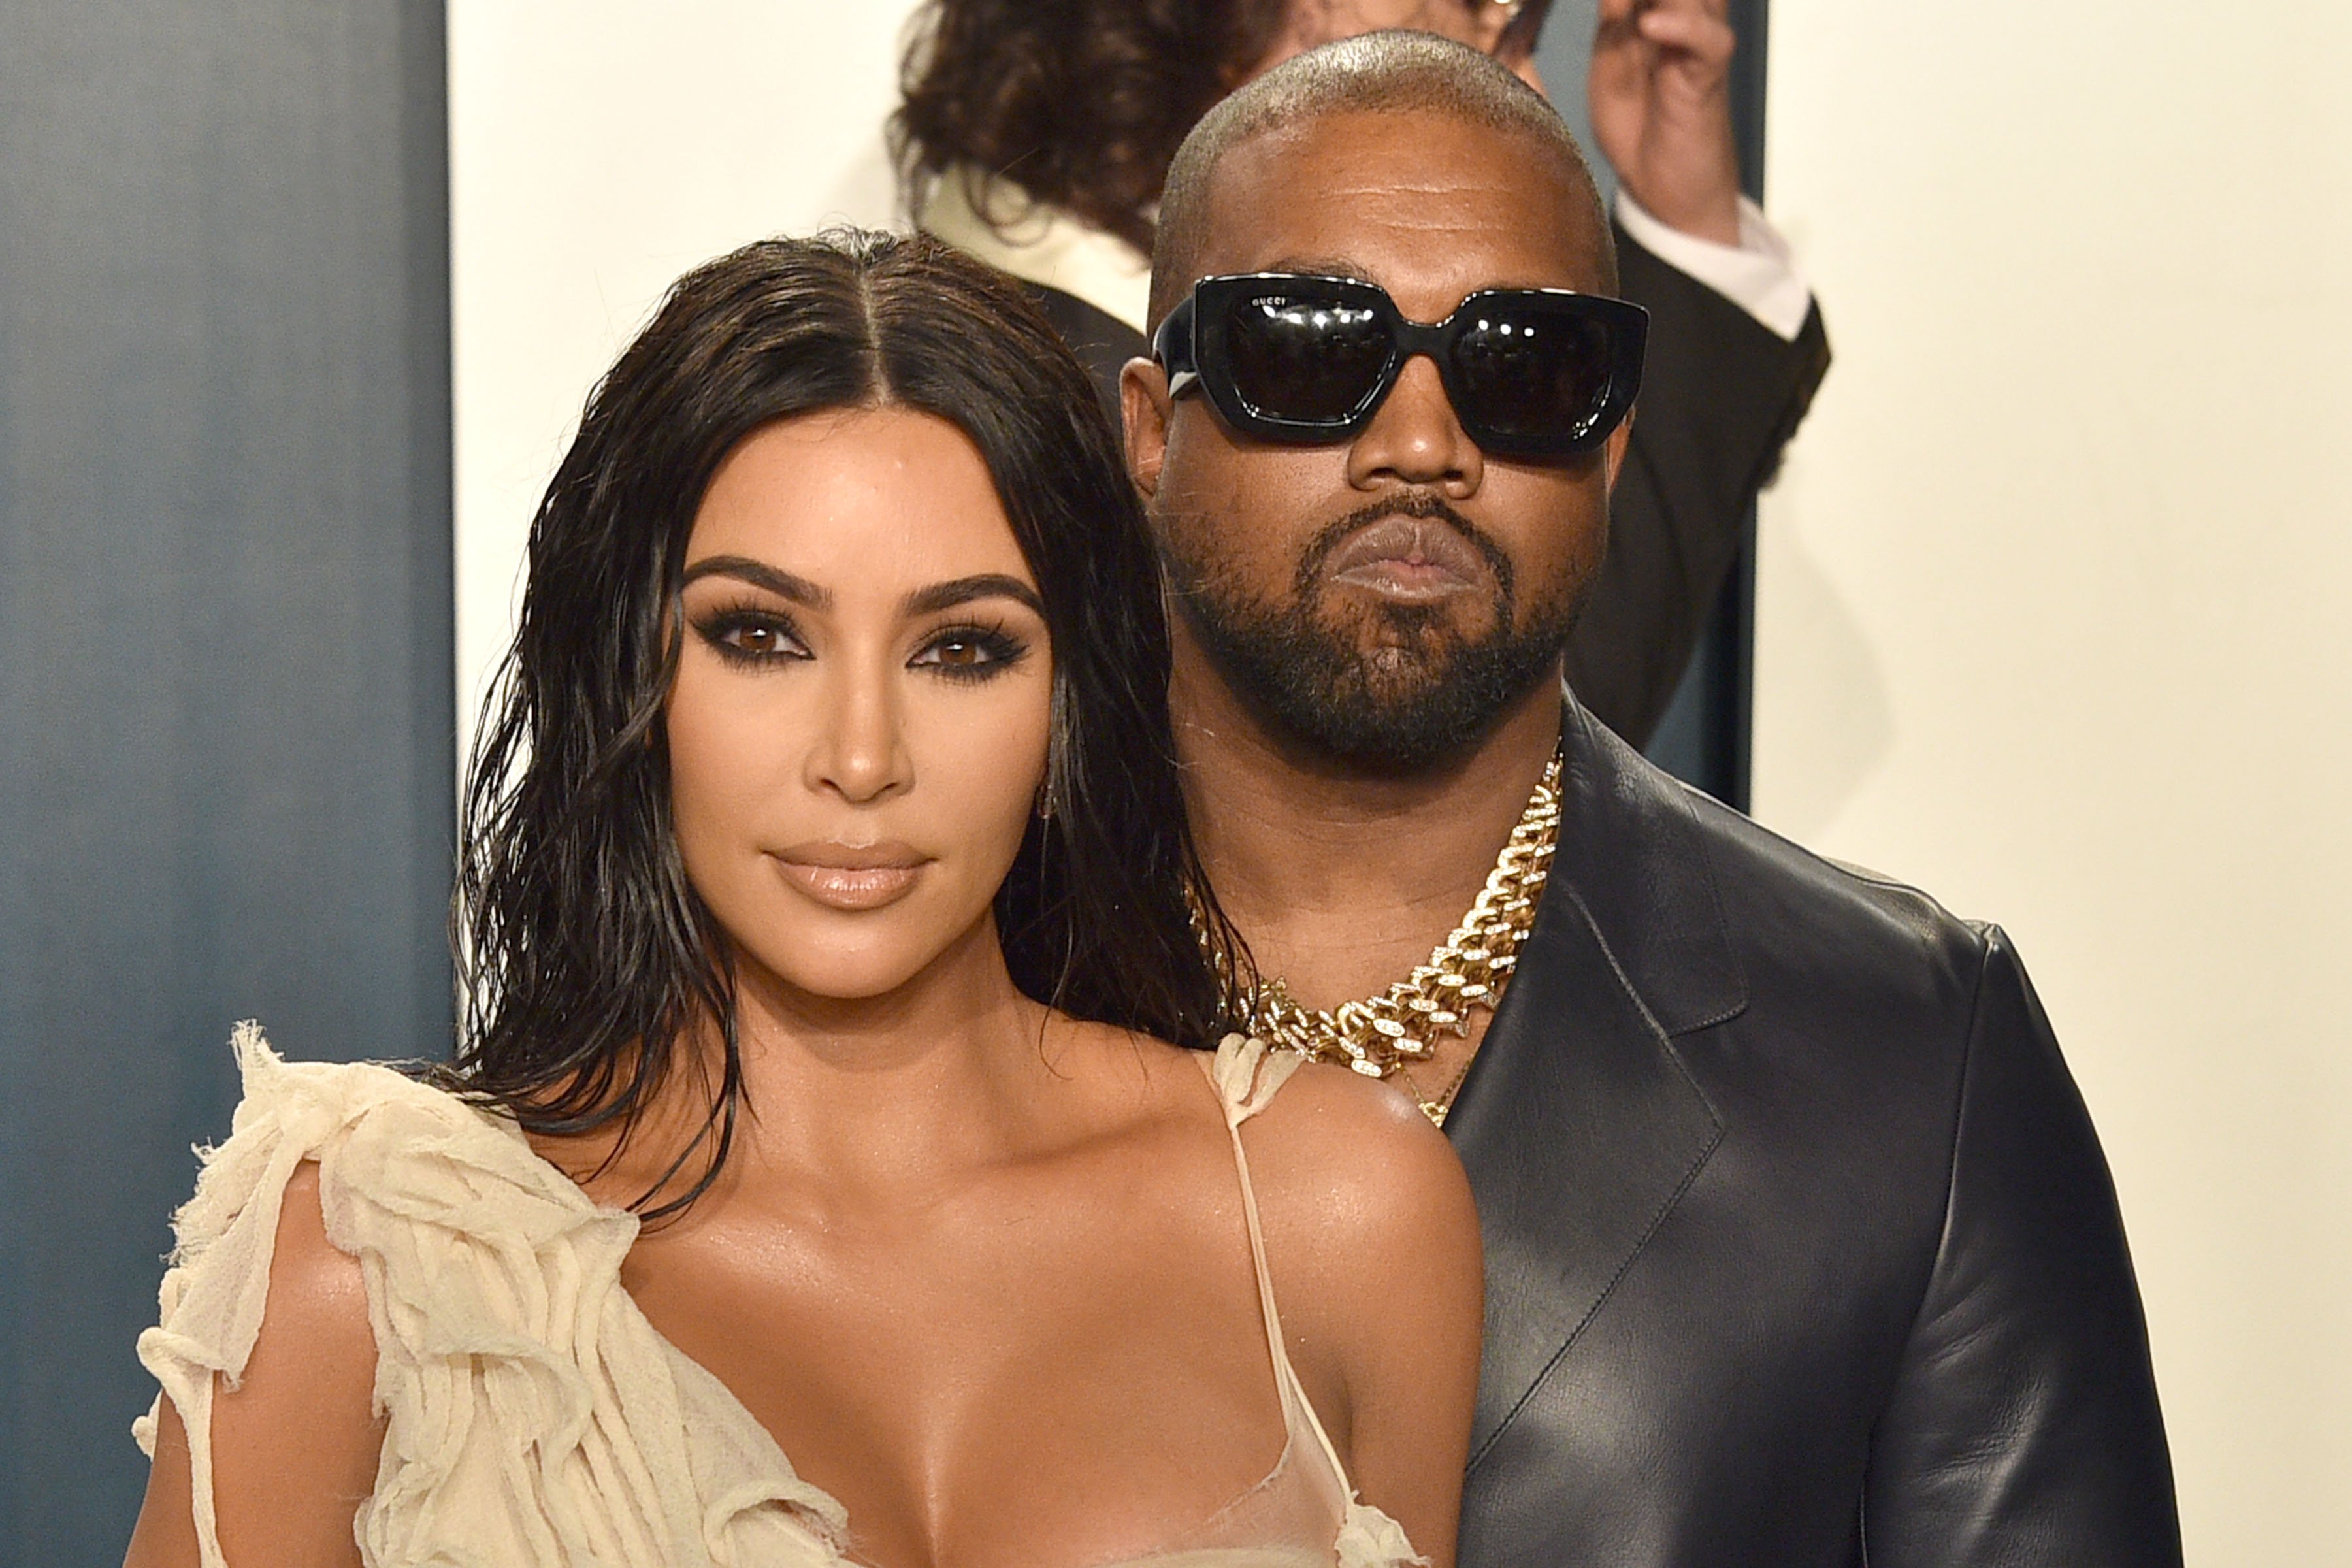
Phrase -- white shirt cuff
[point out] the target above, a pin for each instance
(1759, 274)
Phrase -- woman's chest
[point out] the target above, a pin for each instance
(1041, 1385)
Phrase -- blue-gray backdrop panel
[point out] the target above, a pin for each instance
(226, 719)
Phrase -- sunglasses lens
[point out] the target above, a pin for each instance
(1314, 360)
(1533, 376)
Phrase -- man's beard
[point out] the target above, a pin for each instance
(1420, 693)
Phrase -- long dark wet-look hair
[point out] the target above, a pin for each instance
(585, 956)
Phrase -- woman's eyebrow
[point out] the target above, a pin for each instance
(784, 584)
(964, 590)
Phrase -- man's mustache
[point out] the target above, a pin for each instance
(1426, 506)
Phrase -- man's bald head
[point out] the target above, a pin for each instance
(1376, 73)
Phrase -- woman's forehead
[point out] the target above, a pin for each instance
(868, 499)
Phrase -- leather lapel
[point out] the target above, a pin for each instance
(1579, 1124)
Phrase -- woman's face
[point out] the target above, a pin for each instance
(858, 730)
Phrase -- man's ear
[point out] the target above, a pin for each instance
(1619, 439)
(1143, 407)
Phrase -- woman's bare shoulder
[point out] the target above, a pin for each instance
(1347, 1163)
(294, 1443)
(1138, 1074)
(1362, 1147)
(1373, 1242)
(317, 1318)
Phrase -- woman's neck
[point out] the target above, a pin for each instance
(937, 1075)
(931, 1070)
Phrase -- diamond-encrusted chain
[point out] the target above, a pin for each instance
(1379, 1034)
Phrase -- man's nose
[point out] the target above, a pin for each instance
(861, 752)
(1416, 439)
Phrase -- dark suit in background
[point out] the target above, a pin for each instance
(1720, 398)
(1800, 1249)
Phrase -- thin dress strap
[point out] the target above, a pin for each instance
(1247, 1074)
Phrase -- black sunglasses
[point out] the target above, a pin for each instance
(1531, 372)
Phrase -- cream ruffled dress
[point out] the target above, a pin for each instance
(534, 1418)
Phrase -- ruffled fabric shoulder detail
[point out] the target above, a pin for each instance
(533, 1417)
(1371, 1538)
(1247, 1073)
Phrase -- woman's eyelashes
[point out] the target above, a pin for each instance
(970, 652)
(755, 635)
(751, 635)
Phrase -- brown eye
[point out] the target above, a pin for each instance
(958, 653)
(751, 636)
(753, 639)
(969, 653)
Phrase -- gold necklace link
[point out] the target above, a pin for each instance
(1377, 1036)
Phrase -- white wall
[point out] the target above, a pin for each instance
(2053, 609)
(598, 149)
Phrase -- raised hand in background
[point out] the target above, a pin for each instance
(1660, 102)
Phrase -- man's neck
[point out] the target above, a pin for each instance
(1341, 881)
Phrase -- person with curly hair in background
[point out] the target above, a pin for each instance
(1036, 134)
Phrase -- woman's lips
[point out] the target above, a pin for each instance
(852, 876)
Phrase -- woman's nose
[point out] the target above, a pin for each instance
(861, 750)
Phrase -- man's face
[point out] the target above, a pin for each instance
(1385, 600)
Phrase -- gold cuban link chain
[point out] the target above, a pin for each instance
(1379, 1035)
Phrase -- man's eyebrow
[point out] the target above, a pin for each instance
(784, 585)
(964, 590)
(1320, 267)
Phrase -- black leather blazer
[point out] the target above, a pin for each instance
(1801, 1248)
